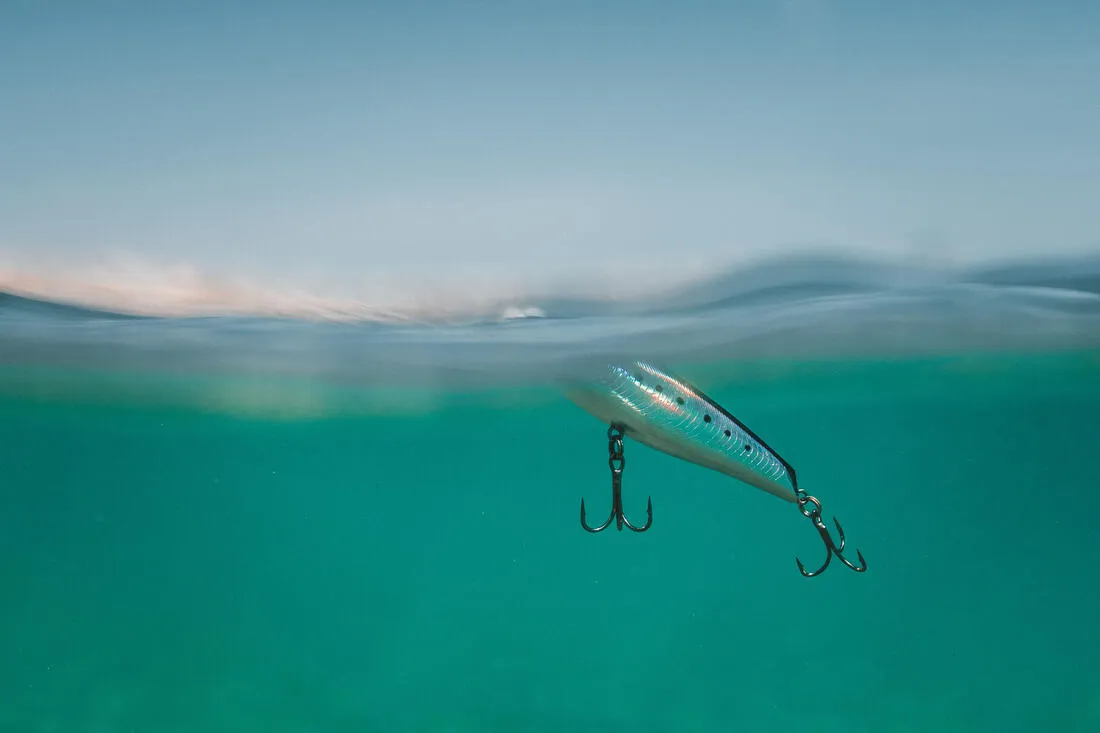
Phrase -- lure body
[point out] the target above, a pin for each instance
(671, 416)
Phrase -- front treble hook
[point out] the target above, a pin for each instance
(814, 514)
(616, 461)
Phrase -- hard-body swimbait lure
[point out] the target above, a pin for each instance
(666, 413)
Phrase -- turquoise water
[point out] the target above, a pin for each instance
(196, 549)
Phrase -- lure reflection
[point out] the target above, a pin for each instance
(674, 417)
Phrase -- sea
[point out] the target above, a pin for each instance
(353, 522)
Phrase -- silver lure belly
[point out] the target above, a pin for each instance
(673, 417)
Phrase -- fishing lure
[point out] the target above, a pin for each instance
(674, 417)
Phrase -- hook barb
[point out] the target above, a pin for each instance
(617, 462)
(831, 549)
(619, 517)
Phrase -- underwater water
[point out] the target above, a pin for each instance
(237, 524)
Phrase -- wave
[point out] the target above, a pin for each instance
(129, 290)
(795, 308)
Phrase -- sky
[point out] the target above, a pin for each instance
(367, 149)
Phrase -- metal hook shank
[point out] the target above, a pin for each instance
(814, 514)
(617, 462)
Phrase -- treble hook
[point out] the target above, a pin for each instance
(831, 549)
(616, 461)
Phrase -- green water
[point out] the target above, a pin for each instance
(174, 564)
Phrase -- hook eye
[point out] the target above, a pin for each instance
(803, 500)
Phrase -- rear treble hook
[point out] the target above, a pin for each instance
(616, 461)
(814, 514)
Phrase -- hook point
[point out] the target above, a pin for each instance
(831, 548)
